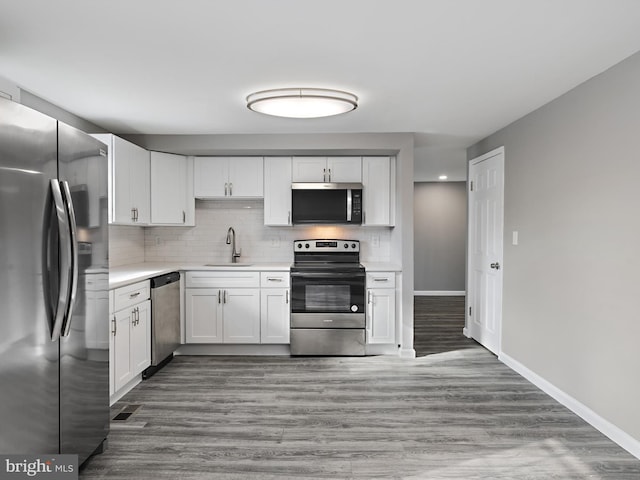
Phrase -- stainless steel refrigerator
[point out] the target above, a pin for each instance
(54, 337)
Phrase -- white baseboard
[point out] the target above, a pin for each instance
(619, 436)
(439, 293)
(466, 333)
(407, 353)
(232, 349)
(125, 389)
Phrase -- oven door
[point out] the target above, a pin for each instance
(322, 292)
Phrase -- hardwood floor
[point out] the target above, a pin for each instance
(438, 324)
(456, 414)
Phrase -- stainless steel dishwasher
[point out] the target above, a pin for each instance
(165, 320)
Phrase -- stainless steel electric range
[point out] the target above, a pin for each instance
(327, 298)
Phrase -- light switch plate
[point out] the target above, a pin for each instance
(514, 237)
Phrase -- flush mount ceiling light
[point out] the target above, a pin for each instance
(302, 102)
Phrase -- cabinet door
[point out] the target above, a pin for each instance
(246, 177)
(140, 196)
(112, 352)
(377, 191)
(277, 191)
(274, 315)
(203, 315)
(344, 169)
(210, 177)
(122, 371)
(141, 337)
(129, 182)
(381, 315)
(309, 169)
(241, 315)
(168, 188)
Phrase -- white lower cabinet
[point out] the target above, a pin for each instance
(130, 339)
(222, 307)
(241, 315)
(274, 307)
(381, 308)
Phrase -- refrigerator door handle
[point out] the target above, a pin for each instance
(64, 273)
(73, 234)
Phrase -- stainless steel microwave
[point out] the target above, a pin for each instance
(326, 203)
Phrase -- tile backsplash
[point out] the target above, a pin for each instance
(126, 245)
(205, 243)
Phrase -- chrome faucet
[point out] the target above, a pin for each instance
(231, 240)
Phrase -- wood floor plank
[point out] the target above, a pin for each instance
(455, 412)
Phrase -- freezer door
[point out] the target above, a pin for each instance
(84, 346)
(28, 356)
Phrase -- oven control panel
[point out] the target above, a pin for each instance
(326, 245)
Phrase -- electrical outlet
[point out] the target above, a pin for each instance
(375, 241)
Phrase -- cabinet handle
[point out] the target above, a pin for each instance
(380, 279)
(133, 317)
(134, 295)
(224, 297)
(184, 217)
(218, 296)
(289, 218)
(133, 214)
(231, 189)
(324, 175)
(274, 279)
(287, 296)
(369, 297)
(114, 324)
(329, 174)
(226, 189)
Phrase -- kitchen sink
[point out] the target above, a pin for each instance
(228, 264)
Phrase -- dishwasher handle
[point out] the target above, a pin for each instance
(166, 279)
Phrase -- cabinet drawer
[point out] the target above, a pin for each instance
(130, 295)
(274, 279)
(381, 280)
(222, 279)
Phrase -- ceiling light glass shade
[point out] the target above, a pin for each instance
(302, 102)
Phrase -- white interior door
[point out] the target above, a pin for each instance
(485, 235)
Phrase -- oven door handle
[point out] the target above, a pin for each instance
(326, 274)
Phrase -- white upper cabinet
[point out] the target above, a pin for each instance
(228, 177)
(277, 191)
(344, 169)
(378, 191)
(129, 170)
(172, 201)
(327, 169)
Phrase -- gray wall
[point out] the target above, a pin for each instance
(571, 286)
(440, 235)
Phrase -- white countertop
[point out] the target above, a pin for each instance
(382, 266)
(137, 272)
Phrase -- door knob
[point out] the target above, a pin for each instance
(495, 266)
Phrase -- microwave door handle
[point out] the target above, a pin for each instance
(349, 203)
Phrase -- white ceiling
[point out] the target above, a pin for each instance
(453, 71)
